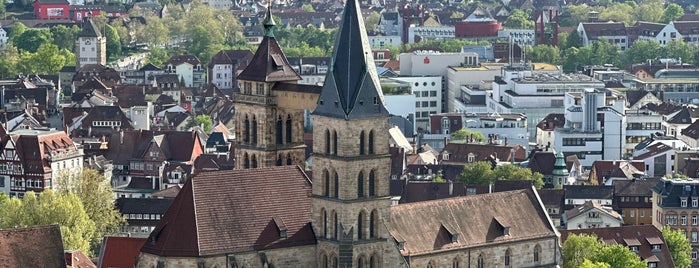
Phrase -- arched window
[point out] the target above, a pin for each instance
(360, 226)
(324, 261)
(371, 142)
(253, 161)
(537, 253)
(372, 183)
(327, 141)
(481, 262)
(279, 131)
(279, 160)
(372, 223)
(336, 191)
(373, 261)
(326, 175)
(508, 252)
(334, 142)
(288, 159)
(336, 226)
(324, 214)
(455, 263)
(360, 185)
(361, 143)
(254, 130)
(288, 129)
(431, 264)
(334, 263)
(360, 262)
(246, 130)
(246, 161)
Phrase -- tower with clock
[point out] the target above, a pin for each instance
(91, 45)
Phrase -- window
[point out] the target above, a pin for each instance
(455, 263)
(683, 202)
(360, 185)
(537, 253)
(694, 220)
(695, 202)
(360, 226)
(371, 142)
(372, 183)
(372, 223)
(433, 93)
(694, 237)
(694, 254)
(640, 213)
(632, 213)
(481, 262)
(361, 143)
(507, 257)
(683, 220)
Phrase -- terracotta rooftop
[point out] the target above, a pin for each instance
(245, 204)
(119, 252)
(39, 246)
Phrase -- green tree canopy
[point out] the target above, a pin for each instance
(371, 22)
(9, 57)
(308, 7)
(679, 247)
(65, 37)
(31, 39)
(66, 210)
(519, 19)
(619, 256)
(672, 12)
(465, 134)
(48, 59)
(483, 173)
(589, 264)
(578, 248)
(113, 42)
(640, 51)
(96, 195)
(545, 53)
(203, 121)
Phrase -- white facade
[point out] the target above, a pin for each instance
(140, 116)
(586, 136)
(430, 62)
(402, 105)
(659, 164)
(618, 38)
(428, 97)
(221, 76)
(467, 85)
(89, 51)
(640, 124)
(593, 218)
(219, 4)
(383, 41)
(670, 33)
(3, 38)
(444, 32)
(520, 37)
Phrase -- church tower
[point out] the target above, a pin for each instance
(350, 155)
(91, 46)
(270, 108)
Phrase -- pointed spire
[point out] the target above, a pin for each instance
(269, 23)
(560, 168)
(351, 88)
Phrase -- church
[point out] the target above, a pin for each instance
(271, 212)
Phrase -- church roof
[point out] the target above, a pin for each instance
(464, 222)
(269, 64)
(236, 211)
(90, 29)
(351, 88)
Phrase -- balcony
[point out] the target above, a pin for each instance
(254, 99)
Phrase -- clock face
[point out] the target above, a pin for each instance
(87, 42)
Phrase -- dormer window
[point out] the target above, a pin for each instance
(445, 156)
(695, 202)
(506, 231)
(633, 248)
(683, 202)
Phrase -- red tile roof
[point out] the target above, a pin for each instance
(39, 246)
(76, 259)
(234, 211)
(119, 252)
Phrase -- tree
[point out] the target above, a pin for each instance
(372, 21)
(66, 210)
(96, 195)
(31, 39)
(679, 247)
(512, 172)
(465, 134)
(203, 121)
(619, 12)
(578, 248)
(640, 51)
(48, 59)
(672, 12)
(308, 7)
(65, 37)
(113, 42)
(9, 57)
(589, 264)
(619, 256)
(650, 11)
(478, 173)
(157, 56)
(518, 19)
(545, 53)
(678, 49)
(17, 30)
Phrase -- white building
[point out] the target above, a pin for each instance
(508, 128)
(535, 91)
(613, 32)
(188, 68)
(658, 158)
(140, 116)
(427, 91)
(469, 84)
(588, 135)
(3, 38)
(591, 215)
(430, 32)
(383, 41)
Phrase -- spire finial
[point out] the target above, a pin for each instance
(269, 23)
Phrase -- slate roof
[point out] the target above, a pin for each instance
(645, 235)
(684, 116)
(269, 64)
(542, 162)
(686, 27)
(89, 29)
(39, 246)
(360, 95)
(692, 130)
(119, 252)
(672, 191)
(589, 191)
(240, 56)
(418, 191)
(142, 205)
(592, 205)
(605, 169)
(421, 226)
(181, 59)
(597, 29)
(634, 96)
(236, 211)
(653, 150)
(130, 95)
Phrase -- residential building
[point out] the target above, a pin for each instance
(188, 68)
(605, 172)
(52, 9)
(633, 199)
(469, 84)
(33, 159)
(659, 159)
(676, 205)
(510, 128)
(646, 241)
(80, 12)
(271, 108)
(582, 134)
(3, 38)
(690, 135)
(591, 215)
(553, 200)
(91, 45)
(311, 69)
(225, 66)
(577, 195)
(141, 214)
(612, 32)
(428, 96)
(679, 31)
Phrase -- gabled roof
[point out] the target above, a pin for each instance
(692, 130)
(593, 30)
(590, 206)
(39, 246)
(241, 57)
(244, 203)
(686, 27)
(589, 192)
(89, 29)
(76, 259)
(418, 225)
(638, 187)
(418, 191)
(357, 95)
(459, 152)
(181, 59)
(684, 116)
(542, 162)
(671, 191)
(642, 236)
(119, 252)
(605, 169)
(142, 205)
(653, 150)
(269, 64)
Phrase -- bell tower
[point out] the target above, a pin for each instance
(91, 45)
(350, 154)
